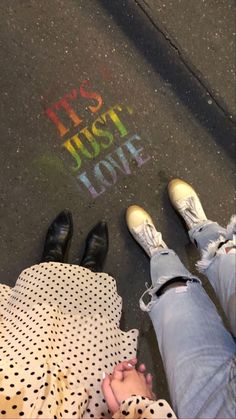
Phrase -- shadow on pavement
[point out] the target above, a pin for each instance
(165, 60)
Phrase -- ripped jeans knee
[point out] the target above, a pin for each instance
(152, 292)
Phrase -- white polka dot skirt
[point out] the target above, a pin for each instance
(59, 330)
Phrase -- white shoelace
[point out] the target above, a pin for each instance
(191, 211)
(149, 237)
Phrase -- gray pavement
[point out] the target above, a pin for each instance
(71, 68)
(203, 33)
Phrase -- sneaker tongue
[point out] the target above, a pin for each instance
(139, 228)
(153, 237)
(191, 210)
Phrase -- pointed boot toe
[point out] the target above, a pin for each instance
(96, 247)
(58, 238)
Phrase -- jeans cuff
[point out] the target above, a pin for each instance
(202, 234)
(209, 254)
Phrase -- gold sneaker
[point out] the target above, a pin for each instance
(143, 230)
(185, 200)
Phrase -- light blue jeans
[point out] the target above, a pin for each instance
(198, 352)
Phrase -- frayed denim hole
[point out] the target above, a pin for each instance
(221, 244)
(195, 242)
(192, 281)
(147, 299)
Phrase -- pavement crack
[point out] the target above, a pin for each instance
(147, 5)
(143, 5)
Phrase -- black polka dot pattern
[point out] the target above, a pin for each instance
(59, 330)
(143, 408)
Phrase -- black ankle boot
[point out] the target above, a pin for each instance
(96, 248)
(58, 238)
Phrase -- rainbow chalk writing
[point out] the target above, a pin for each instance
(108, 133)
(105, 172)
(89, 142)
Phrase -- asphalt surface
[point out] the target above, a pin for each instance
(203, 34)
(72, 68)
